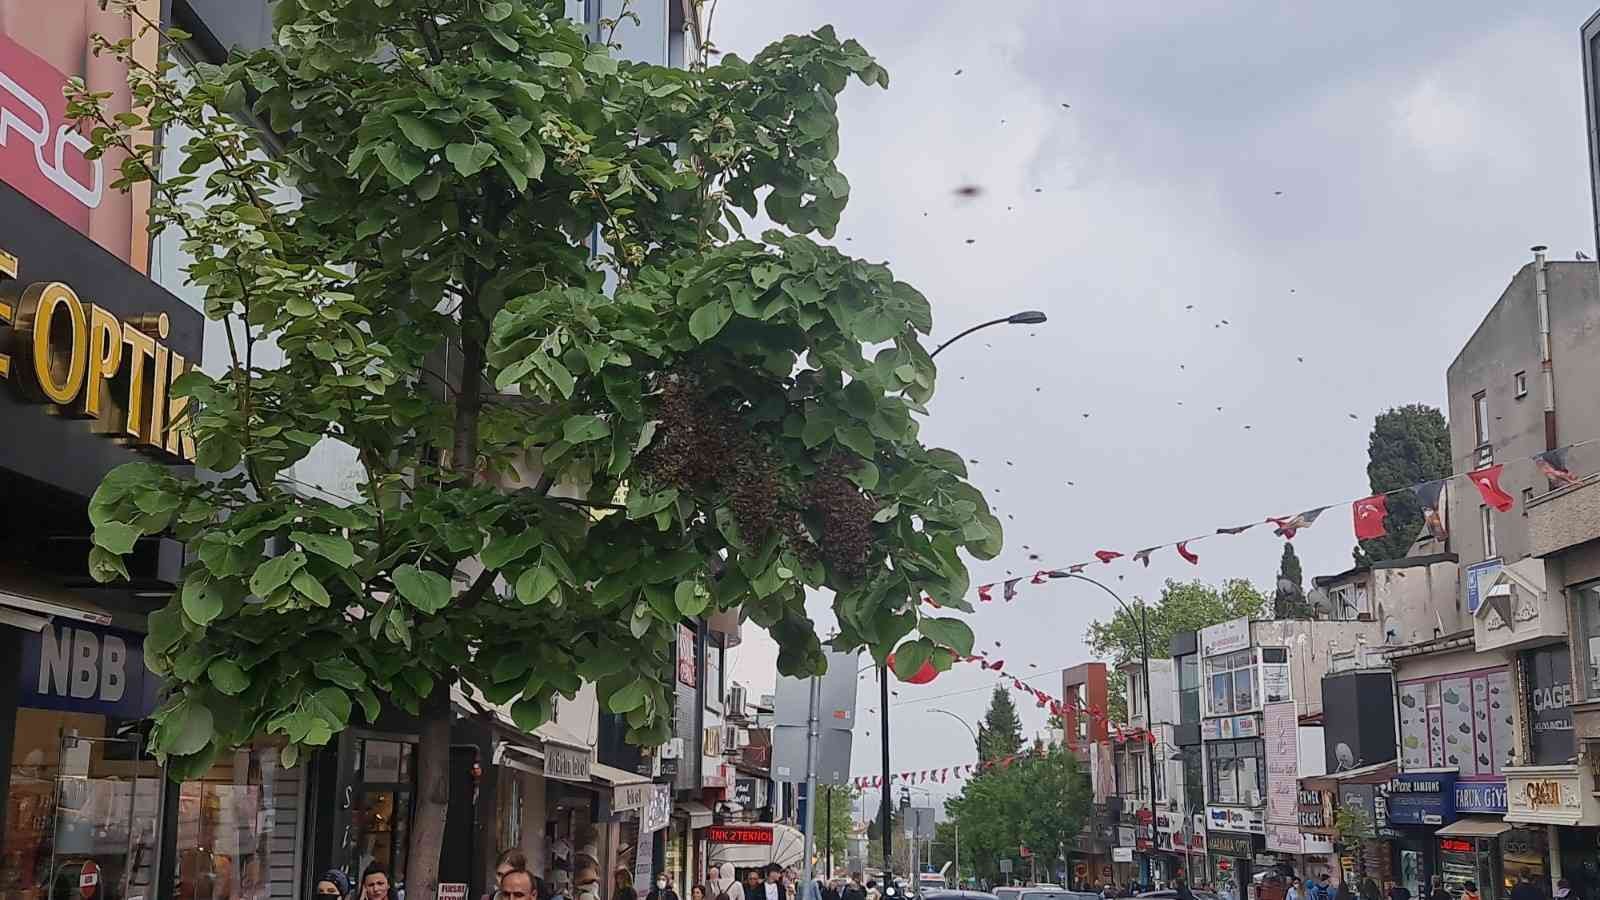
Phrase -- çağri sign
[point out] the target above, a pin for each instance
(1225, 638)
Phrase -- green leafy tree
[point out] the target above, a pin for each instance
(1354, 827)
(1409, 444)
(1289, 598)
(900, 850)
(1041, 802)
(837, 825)
(554, 474)
(1000, 733)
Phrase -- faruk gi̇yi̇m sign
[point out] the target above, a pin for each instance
(79, 358)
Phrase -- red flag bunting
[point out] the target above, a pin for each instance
(1011, 589)
(1040, 576)
(1192, 559)
(1106, 556)
(1143, 556)
(1369, 514)
(1487, 481)
(1074, 570)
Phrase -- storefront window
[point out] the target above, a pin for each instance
(227, 821)
(1232, 684)
(1587, 597)
(1237, 773)
(1521, 849)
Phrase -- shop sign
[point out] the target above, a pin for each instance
(1233, 818)
(686, 667)
(1226, 729)
(71, 355)
(1422, 799)
(1478, 578)
(744, 792)
(1284, 839)
(1238, 846)
(629, 797)
(739, 834)
(85, 668)
(1227, 637)
(452, 890)
(1282, 747)
(1480, 797)
(1314, 809)
(1455, 845)
(658, 812)
(1551, 796)
(1549, 673)
(1118, 854)
(566, 763)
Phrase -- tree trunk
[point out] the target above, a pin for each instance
(433, 796)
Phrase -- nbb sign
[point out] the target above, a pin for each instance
(82, 360)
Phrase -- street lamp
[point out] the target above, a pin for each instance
(1142, 622)
(964, 723)
(1025, 317)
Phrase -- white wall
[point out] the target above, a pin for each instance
(1312, 746)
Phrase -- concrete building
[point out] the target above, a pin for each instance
(1149, 781)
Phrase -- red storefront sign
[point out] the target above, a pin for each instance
(734, 834)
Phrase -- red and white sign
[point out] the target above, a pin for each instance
(686, 666)
(88, 879)
(738, 834)
(452, 890)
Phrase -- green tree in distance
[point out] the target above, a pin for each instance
(1040, 801)
(1000, 733)
(1289, 598)
(1184, 606)
(834, 821)
(1409, 445)
(554, 475)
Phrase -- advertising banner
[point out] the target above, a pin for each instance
(1283, 762)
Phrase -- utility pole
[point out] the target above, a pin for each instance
(808, 889)
(887, 804)
(827, 832)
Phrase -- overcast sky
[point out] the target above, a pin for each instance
(1420, 150)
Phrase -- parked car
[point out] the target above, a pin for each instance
(947, 894)
(1042, 892)
(1169, 894)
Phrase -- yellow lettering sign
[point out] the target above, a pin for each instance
(84, 362)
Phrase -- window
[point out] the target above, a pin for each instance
(1527, 497)
(1236, 772)
(1189, 689)
(1231, 684)
(1194, 783)
(1588, 599)
(1135, 696)
(1519, 383)
(1486, 519)
(1161, 778)
(1480, 417)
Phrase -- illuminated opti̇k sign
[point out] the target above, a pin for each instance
(83, 361)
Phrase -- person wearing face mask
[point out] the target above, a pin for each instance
(333, 885)
(662, 890)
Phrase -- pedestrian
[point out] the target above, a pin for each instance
(1527, 888)
(773, 889)
(872, 891)
(333, 885)
(1563, 889)
(726, 882)
(663, 890)
(1369, 889)
(517, 884)
(1183, 890)
(853, 889)
(1396, 891)
(1294, 888)
(375, 883)
(1436, 890)
(698, 892)
(1469, 891)
(1322, 889)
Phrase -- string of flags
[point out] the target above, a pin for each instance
(1367, 514)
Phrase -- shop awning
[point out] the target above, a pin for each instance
(614, 776)
(699, 814)
(1474, 828)
(787, 849)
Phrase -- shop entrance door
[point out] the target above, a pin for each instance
(98, 850)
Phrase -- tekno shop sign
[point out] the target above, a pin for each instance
(79, 358)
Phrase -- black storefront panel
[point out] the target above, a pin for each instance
(61, 444)
(1548, 671)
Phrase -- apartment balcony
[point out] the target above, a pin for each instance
(1565, 518)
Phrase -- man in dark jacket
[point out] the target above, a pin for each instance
(1527, 888)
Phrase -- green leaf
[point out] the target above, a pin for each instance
(422, 135)
(692, 598)
(106, 566)
(497, 12)
(628, 698)
(887, 513)
(332, 705)
(952, 633)
(427, 590)
(276, 572)
(580, 429)
(202, 601)
(312, 589)
(331, 547)
(502, 551)
(227, 677)
(400, 163)
(341, 671)
(186, 727)
(116, 537)
(910, 657)
(469, 159)
(530, 712)
(705, 322)
(600, 63)
(535, 584)
(865, 477)
(857, 438)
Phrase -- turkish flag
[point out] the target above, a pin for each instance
(983, 593)
(1487, 481)
(1106, 556)
(1192, 559)
(1369, 514)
